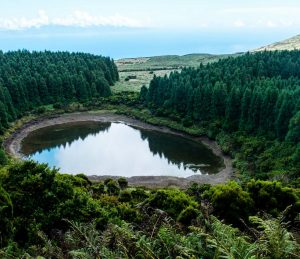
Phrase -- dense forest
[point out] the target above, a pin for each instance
(29, 80)
(254, 94)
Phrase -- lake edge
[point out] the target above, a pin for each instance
(13, 146)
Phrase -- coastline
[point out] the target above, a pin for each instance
(13, 143)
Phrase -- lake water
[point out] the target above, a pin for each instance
(97, 148)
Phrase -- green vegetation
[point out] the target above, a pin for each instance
(249, 104)
(29, 80)
(134, 85)
(145, 68)
(44, 213)
(169, 62)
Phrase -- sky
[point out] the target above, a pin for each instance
(124, 28)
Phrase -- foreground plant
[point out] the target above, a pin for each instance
(274, 240)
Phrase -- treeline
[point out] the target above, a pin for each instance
(255, 93)
(30, 79)
(63, 136)
(51, 215)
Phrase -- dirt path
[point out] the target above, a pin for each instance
(13, 147)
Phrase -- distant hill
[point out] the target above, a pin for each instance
(167, 62)
(136, 72)
(289, 44)
(174, 62)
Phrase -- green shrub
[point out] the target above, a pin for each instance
(98, 189)
(40, 110)
(123, 183)
(226, 142)
(112, 188)
(6, 212)
(42, 198)
(172, 201)
(213, 129)
(187, 121)
(271, 197)
(230, 202)
(187, 215)
(125, 196)
(58, 105)
(126, 212)
(107, 180)
(196, 190)
(86, 180)
(139, 194)
(3, 158)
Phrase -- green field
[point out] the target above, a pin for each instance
(144, 68)
(142, 78)
(166, 62)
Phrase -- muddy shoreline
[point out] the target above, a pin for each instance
(12, 146)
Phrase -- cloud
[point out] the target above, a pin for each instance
(239, 24)
(282, 10)
(84, 19)
(77, 19)
(262, 17)
(271, 24)
(24, 23)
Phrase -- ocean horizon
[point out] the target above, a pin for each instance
(125, 43)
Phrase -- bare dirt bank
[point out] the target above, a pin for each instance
(13, 147)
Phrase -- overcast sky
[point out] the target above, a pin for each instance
(176, 26)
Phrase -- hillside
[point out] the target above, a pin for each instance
(135, 72)
(289, 44)
(165, 62)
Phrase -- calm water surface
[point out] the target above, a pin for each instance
(96, 148)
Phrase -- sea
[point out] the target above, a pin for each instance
(128, 42)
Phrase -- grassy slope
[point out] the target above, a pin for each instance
(145, 67)
(166, 62)
(289, 44)
(142, 78)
